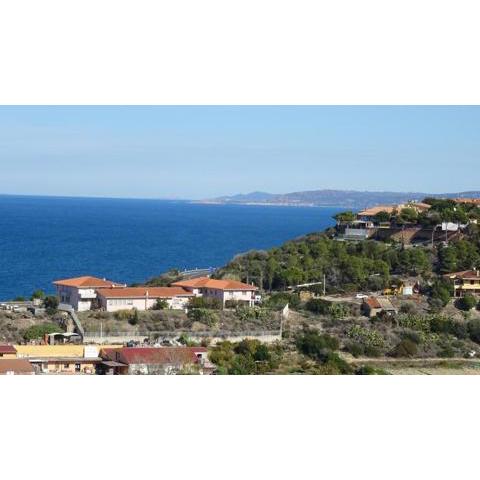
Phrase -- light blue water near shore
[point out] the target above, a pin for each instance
(46, 238)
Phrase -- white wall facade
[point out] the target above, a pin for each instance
(79, 298)
(141, 304)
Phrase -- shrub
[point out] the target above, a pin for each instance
(467, 302)
(473, 328)
(160, 304)
(245, 313)
(204, 315)
(316, 346)
(318, 306)
(365, 336)
(412, 336)
(133, 319)
(123, 315)
(279, 300)
(38, 294)
(355, 348)
(446, 352)
(206, 303)
(36, 332)
(406, 348)
(51, 304)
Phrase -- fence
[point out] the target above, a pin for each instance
(266, 336)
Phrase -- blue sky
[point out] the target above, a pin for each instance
(200, 152)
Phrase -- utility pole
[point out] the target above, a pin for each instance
(324, 284)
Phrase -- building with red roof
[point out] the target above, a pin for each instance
(223, 290)
(81, 292)
(155, 360)
(142, 298)
(16, 366)
(8, 351)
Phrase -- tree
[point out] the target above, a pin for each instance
(38, 294)
(36, 332)
(51, 304)
(382, 217)
(408, 215)
(345, 217)
(467, 302)
(160, 304)
(133, 319)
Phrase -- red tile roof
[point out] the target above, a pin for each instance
(7, 349)
(465, 275)
(87, 282)
(205, 282)
(18, 366)
(154, 355)
(372, 302)
(142, 292)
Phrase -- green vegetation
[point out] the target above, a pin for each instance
(247, 357)
(51, 304)
(37, 332)
(160, 304)
(38, 295)
(204, 315)
(205, 302)
(347, 266)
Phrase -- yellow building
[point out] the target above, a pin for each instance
(465, 282)
(61, 359)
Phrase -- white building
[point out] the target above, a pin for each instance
(142, 298)
(81, 292)
(224, 290)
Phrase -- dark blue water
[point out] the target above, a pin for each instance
(43, 239)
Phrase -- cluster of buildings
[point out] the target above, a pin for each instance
(110, 360)
(87, 293)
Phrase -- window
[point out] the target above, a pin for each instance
(77, 367)
(66, 365)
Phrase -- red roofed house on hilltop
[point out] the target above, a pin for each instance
(81, 292)
(142, 298)
(155, 360)
(223, 290)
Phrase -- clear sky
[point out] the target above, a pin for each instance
(201, 152)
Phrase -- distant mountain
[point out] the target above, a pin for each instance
(243, 198)
(334, 198)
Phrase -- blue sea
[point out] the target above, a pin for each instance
(43, 239)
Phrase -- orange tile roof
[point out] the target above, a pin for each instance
(141, 292)
(372, 302)
(370, 212)
(205, 282)
(87, 282)
(473, 201)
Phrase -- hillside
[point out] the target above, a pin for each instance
(351, 199)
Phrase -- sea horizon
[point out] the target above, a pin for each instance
(46, 238)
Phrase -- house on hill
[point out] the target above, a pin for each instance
(223, 290)
(465, 282)
(372, 306)
(142, 298)
(81, 292)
